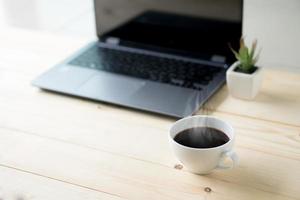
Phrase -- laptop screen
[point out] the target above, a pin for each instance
(196, 28)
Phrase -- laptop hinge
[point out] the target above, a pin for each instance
(112, 40)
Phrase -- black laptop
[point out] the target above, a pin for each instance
(166, 57)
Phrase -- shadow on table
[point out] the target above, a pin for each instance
(214, 101)
(274, 98)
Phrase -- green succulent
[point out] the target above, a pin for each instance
(246, 56)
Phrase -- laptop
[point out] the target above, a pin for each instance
(166, 57)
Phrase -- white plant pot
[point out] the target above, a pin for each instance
(242, 85)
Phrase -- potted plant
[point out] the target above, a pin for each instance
(244, 78)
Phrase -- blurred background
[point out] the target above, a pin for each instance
(275, 23)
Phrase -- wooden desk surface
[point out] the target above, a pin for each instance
(58, 147)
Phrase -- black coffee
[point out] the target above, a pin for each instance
(201, 137)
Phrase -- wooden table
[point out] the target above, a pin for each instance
(59, 147)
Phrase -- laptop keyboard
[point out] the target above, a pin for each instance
(165, 70)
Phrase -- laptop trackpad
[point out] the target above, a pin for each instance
(164, 98)
(110, 87)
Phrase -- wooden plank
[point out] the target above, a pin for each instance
(137, 179)
(66, 113)
(17, 185)
(278, 100)
(258, 138)
(93, 140)
(115, 130)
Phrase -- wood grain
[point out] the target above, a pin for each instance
(65, 123)
(277, 101)
(26, 186)
(136, 179)
(125, 153)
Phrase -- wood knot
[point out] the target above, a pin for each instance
(178, 166)
(207, 189)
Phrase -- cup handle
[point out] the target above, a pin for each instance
(233, 156)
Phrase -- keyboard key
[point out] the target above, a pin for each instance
(177, 82)
(197, 86)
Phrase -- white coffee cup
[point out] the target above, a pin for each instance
(203, 160)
